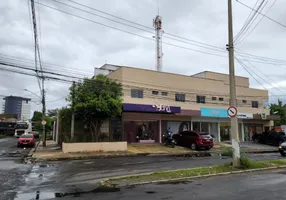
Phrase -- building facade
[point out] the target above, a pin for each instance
(155, 101)
(18, 105)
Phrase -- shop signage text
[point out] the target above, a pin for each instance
(130, 107)
(163, 108)
(245, 116)
(214, 112)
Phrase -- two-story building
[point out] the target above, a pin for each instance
(155, 101)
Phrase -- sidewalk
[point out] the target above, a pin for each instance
(53, 152)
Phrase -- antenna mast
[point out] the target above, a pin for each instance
(157, 23)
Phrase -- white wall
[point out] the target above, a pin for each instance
(26, 110)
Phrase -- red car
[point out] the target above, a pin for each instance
(26, 140)
(194, 140)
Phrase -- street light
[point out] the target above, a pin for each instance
(33, 93)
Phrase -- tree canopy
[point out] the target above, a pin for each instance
(95, 100)
(53, 112)
(279, 109)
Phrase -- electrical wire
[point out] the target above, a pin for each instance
(256, 23)
(271, 19)
(271, 84)
(147, 27)
(131, 33)
(251, 21)
(210, 47)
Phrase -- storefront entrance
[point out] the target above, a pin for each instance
(141, 131)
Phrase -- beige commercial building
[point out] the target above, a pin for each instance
(154, 102)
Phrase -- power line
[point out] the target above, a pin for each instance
(267, 77)
(118, 29)
(245, 67)
(257, 23)
(42, 71)
(147, 27)
(250, 21)
(210, 47)
(46, 65)
(273, 20)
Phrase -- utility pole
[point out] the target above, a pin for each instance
(72, 120)
(37, 53)
(44, 114)
(234, 123)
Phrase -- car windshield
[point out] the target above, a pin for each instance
(27, 136)
(205, 135)
(21, 126)
(282, 133)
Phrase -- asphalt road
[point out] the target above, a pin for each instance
(255, 186)
(12, 170)
(46, 180)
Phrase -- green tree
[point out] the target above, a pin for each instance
(95, 100)
(280, 110)
(37, 116)
(37, 119)
(53, 112)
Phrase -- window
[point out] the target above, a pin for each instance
(180, 97)
(136, 93)
(254, 104)
(220, 99)
(244, 101)
(164, 93)
(155, 92)
(214, 98)
(201, 99)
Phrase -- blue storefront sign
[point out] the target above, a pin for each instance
(214, 112)
(151, 108)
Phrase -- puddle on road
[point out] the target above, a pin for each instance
(175, 182)
(38, 195)
(200, 154)
(150, 192)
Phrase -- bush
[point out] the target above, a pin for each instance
(227, 151)
(245, 163)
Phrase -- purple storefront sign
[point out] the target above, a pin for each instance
(151, 108)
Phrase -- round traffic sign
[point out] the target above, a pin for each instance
(232, 111)
(44, 122)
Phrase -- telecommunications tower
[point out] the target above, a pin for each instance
(157, 23)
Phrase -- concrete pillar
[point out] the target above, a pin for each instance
(218, 129)
(160, 131)
(191, 127)
(54, 131)
(57, 130)
(242, 131)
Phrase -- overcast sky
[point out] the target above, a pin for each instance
(75, 46)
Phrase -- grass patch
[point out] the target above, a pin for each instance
(3, 136)
(246, 163)
(226, 151)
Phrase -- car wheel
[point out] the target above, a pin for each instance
(193, 146)
(282, 153)
(208, 148)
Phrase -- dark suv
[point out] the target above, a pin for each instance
(272, 138)
(194, 140)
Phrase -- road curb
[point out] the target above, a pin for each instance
(192, 154)
(103, 182)
(30, 154)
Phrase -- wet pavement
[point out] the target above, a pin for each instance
(255, 186)
(74, 179)
(12, 169)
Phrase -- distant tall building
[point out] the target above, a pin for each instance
(17, 105)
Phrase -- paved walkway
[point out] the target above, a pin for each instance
(53, 152)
